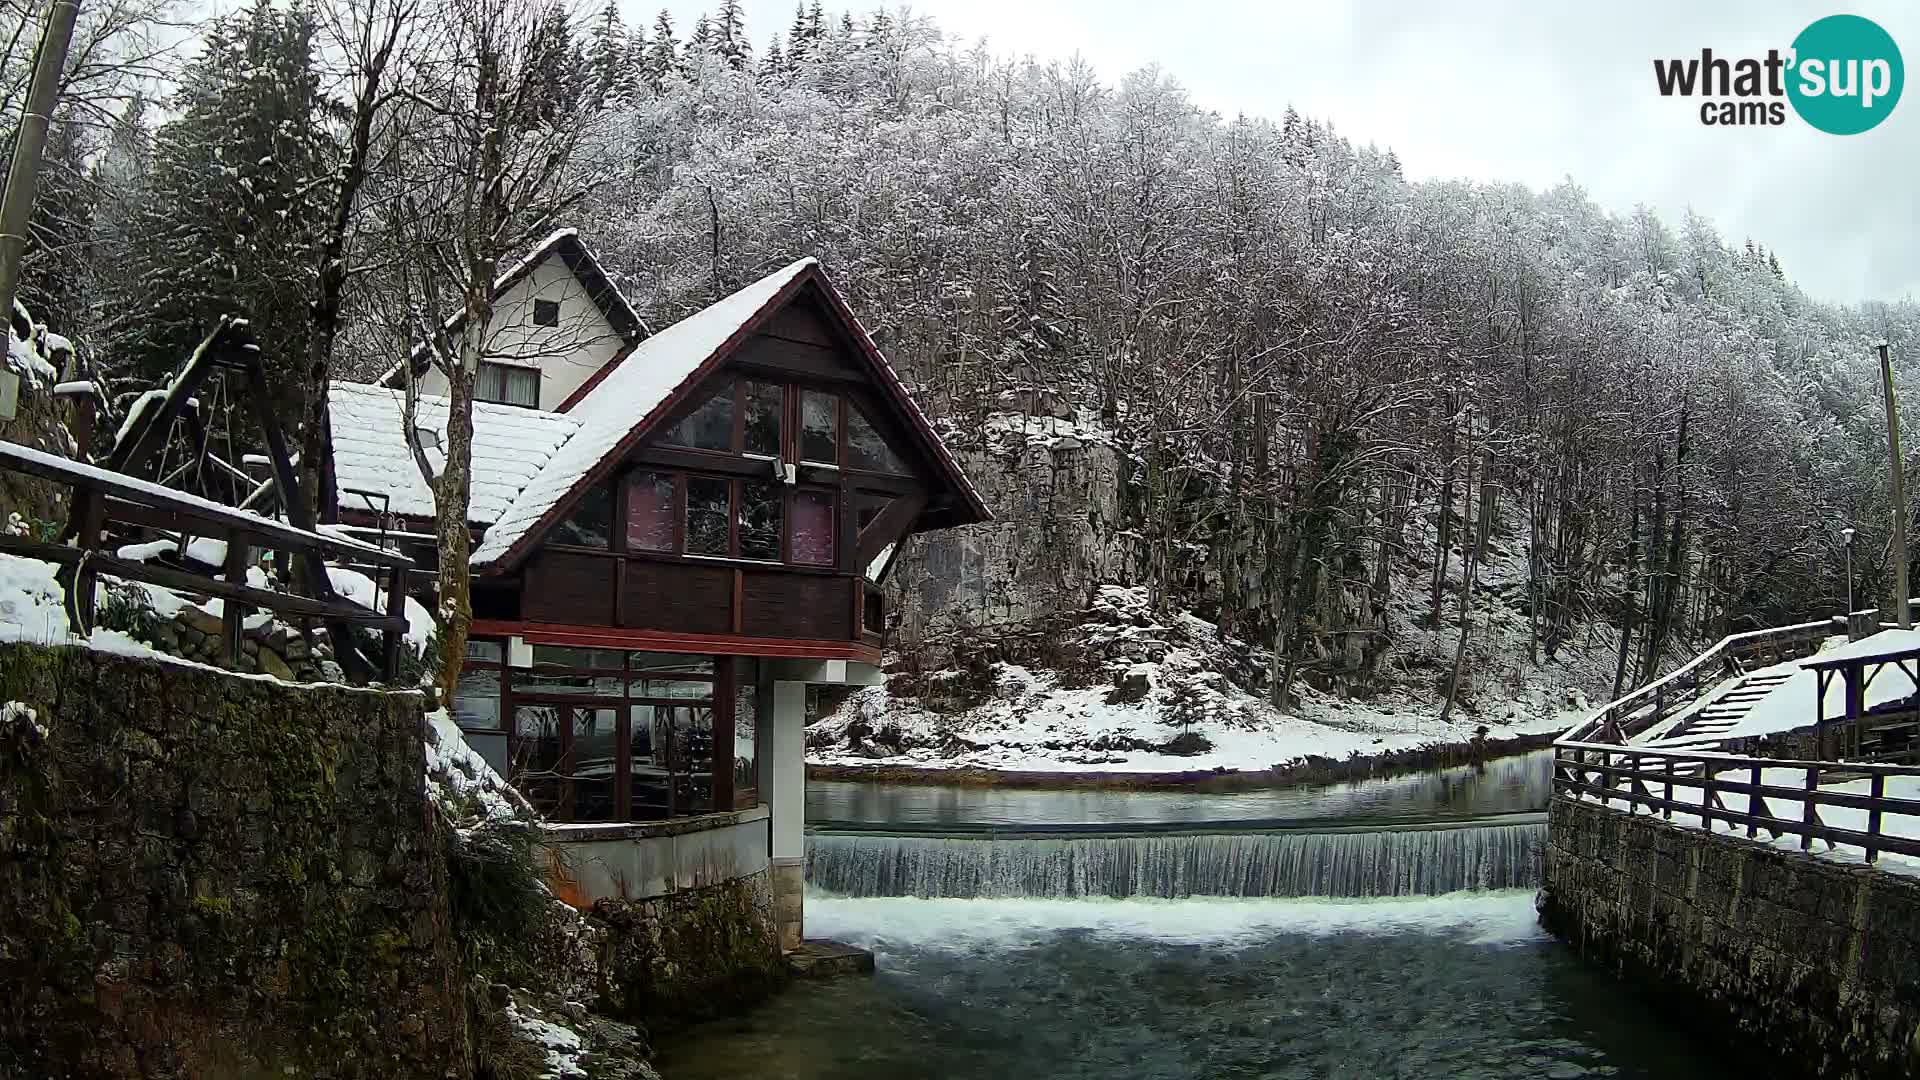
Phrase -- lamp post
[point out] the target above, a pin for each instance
(1897, 466)
(1846, 535)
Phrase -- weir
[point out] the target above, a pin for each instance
(1234, 858)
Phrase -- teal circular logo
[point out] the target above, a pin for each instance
(1846, 75)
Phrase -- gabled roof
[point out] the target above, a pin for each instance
(632, 393)
(370, 452)
(580, 259)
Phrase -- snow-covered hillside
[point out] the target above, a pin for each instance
(1131, 693)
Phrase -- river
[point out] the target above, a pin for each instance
(1006, 951)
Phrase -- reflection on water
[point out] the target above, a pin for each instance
(1459, 986)
(1522, 782)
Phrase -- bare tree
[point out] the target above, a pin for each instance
(366, 34)
(497, 167)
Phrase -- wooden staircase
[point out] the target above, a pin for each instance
(1727, 709)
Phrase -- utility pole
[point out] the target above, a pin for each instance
(1902, 613)
(16, 205)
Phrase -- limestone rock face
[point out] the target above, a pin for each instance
(1056, 488)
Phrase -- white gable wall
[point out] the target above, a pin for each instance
(567, 355)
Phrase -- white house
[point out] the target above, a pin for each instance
(558, 319)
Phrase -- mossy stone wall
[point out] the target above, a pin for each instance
(689, 955)
(1808, 964)
(208, 876)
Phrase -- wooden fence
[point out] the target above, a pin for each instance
(1669, 782)
(101, 496)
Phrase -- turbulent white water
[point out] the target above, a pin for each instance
(1419, 862)
(885, 924)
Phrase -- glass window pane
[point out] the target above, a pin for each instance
(522, 387)
(647, 730)
(690, 757)
(596, 763)
(660, 661)
(490, 383)
(765, 402)
(476, 700)
(813, 528)
(707, 515)
(484, 650)
(591, 522)
(759, 519)
(819, 427)
(677, 689)
(535, 769)
(564, 682)
(562, 656)
(745, 722)
(867, 450)
(650, 512)
(710, 427)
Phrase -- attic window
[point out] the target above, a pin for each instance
(546, 313)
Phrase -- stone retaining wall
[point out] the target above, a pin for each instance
(690, 955)
(210, 876)
(1810, 963)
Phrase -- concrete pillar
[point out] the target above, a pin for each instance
(785, 776)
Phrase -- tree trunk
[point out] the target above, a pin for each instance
(324, 311)
(1633, 602)
(456, 482)
(1466, 591)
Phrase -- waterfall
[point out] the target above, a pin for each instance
(1399, 862)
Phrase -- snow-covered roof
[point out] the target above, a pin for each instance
(625, 399)
(370, 451)
(1886, 643)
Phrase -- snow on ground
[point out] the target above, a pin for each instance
(1168, 679)
(563, 1045)
(361, 589)
(1030, 717)
(457, 774)
(1792, 809)
(1035, 724)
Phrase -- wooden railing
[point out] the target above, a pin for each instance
(1693, 783)
(102, 496)
(1620, 720)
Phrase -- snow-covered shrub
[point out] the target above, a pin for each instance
(124, 606)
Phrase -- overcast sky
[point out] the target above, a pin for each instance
(1517, 91)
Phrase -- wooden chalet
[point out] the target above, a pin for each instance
(705, 517)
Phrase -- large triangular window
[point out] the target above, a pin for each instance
(867, 449)
(709, 427)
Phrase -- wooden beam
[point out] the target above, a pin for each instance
(668, 457)
(157, 423)
(594, 637)
(221, 519)
(890, 526)
(396, 610)
(232, 611)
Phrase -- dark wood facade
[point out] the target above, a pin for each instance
(642, 562)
